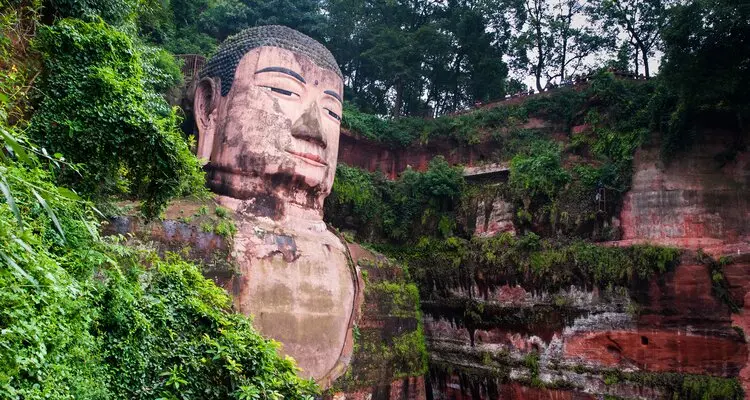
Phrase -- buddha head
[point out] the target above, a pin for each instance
(268, 107)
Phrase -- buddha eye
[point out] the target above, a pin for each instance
(280, 91)
(334, 115)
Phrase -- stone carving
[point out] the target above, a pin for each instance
(268, 108)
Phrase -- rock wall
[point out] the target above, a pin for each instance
(698, 200)
(389, 358)
(673, 336)
(522, 344)
(373, 156)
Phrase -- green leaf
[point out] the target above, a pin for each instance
(49, 212)
(15, 147)
(68, 194)
(90, 228)
(18, 269)
(11, 203)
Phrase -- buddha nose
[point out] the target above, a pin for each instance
(308, 127)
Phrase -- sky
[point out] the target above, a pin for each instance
(580, 21)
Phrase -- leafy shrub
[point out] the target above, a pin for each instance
(100, 109)
(86, 318)
(539, 172)
(112, 11)
(417, 202)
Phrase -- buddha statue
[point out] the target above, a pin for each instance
(268, 107)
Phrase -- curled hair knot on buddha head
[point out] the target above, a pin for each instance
(224, 63)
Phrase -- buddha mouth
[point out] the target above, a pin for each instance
(313, 159)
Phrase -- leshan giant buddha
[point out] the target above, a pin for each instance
(268, 108)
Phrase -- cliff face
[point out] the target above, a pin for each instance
(698, 200)
(673, 336)
(374, 156)
(389, 358)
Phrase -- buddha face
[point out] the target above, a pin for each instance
(276, 130)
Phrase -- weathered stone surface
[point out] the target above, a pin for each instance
(268, 110)
(297, 284)
(494, 217)
(411, 388)
(682, 298)
(659, 351)
(389, 343)
(693, 202)
(679, 327)
(458, 387)
(675, 325)
(189, 229)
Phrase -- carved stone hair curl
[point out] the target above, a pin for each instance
(224, 63)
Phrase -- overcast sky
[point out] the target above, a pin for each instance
(593, 60)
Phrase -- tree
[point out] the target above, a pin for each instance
(418, 57)
(550, 45)
(706, 70)
(643, 21)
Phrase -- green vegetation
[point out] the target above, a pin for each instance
(701, 78)
(719, 284)
(98, 107)
(538, 263)
(553, 185)
(470, 128)
(84, 317)
(397, 348)
(417, 203)
(87, 318)
(532, 363)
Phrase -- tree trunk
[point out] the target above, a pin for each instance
(645, 61)
(397, 104)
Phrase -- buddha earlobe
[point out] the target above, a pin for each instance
(205, 104)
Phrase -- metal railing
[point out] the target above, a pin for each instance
(192, 65)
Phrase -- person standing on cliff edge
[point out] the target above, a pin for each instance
(268, 107)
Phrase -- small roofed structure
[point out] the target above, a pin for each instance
(493, 172)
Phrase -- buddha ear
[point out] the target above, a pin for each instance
(205, 107)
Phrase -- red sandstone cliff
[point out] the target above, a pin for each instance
(649, 342)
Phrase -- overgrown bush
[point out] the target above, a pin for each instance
(112, 11)
(86, 318)
(472, 127)
(536, 262)
(99, 108)
(401, 210)
(538, 173)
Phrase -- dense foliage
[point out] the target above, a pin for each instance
(539, 263)
(419, 202)
(86, 318)
(470, 128)
(101, 107)
(553, 184)
(395, 349)
(706, 68)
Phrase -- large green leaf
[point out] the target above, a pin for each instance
(5, 188)
(51, 213)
